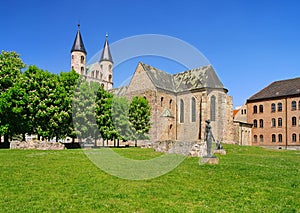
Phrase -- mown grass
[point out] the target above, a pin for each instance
(248, 179)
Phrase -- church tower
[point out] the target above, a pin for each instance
(106, 65)
(78, 54)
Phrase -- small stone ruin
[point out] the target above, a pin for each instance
(35, 144)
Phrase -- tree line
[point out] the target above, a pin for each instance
(38, 102)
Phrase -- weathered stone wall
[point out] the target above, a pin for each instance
(194, 149)
(40, 145)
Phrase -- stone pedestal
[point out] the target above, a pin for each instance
(219, 151)
(209, 160)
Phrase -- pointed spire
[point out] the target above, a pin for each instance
(106, 56)
(78, 43)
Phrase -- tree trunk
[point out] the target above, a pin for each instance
(23, 137)
(6, 138)
(135, 143)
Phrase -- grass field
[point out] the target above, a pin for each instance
(248, 179)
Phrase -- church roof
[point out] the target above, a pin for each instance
(278, 89)
(159, 78)
(78, 43)
(106, 55)
(202, 77)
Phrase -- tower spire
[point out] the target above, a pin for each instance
(78, 43)
(106, 55)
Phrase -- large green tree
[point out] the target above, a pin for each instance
(10, 70)
(39, 86)
(83, 106)
(120, 117)
(65, 93)
(139, 116)
(103, 112)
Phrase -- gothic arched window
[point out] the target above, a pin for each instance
(181, 115)
(193, 110)
(213, 108)
(170, 104)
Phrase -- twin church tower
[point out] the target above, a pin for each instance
(100, 71)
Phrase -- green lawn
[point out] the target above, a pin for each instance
(248, 179)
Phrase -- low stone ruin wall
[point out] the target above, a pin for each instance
(187, 148)
(40, 145)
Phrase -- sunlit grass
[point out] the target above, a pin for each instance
(248, 179)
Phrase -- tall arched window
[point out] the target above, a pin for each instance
(261, 123)
(255, 123)
(110, 78)
(261, 138)
(294, 121)
(273, 138)
(181, 107)
(280, 138)
(193, 110)
(161, 101)
(261, 108)
(273, 107)
(82, 70)
(279, 107)
(82, 59)
(170, 104)
(294, 137)
(279, 122)
(213, 108)
(254, 109)
(294, 105)
(273, 122)
(255, 139)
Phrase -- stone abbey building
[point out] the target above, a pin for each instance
(180, 103)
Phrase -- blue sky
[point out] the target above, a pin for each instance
(249, 43)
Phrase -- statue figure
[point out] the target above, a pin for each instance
(208, 138)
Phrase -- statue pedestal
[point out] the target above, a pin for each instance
(219, 151)
(209, 160)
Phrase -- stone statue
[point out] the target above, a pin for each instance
(208, 138)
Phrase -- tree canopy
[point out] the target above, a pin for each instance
(56, 106)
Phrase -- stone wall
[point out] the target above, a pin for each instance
(40, 145)
(194, 149)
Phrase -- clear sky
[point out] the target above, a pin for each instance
(249, 43)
